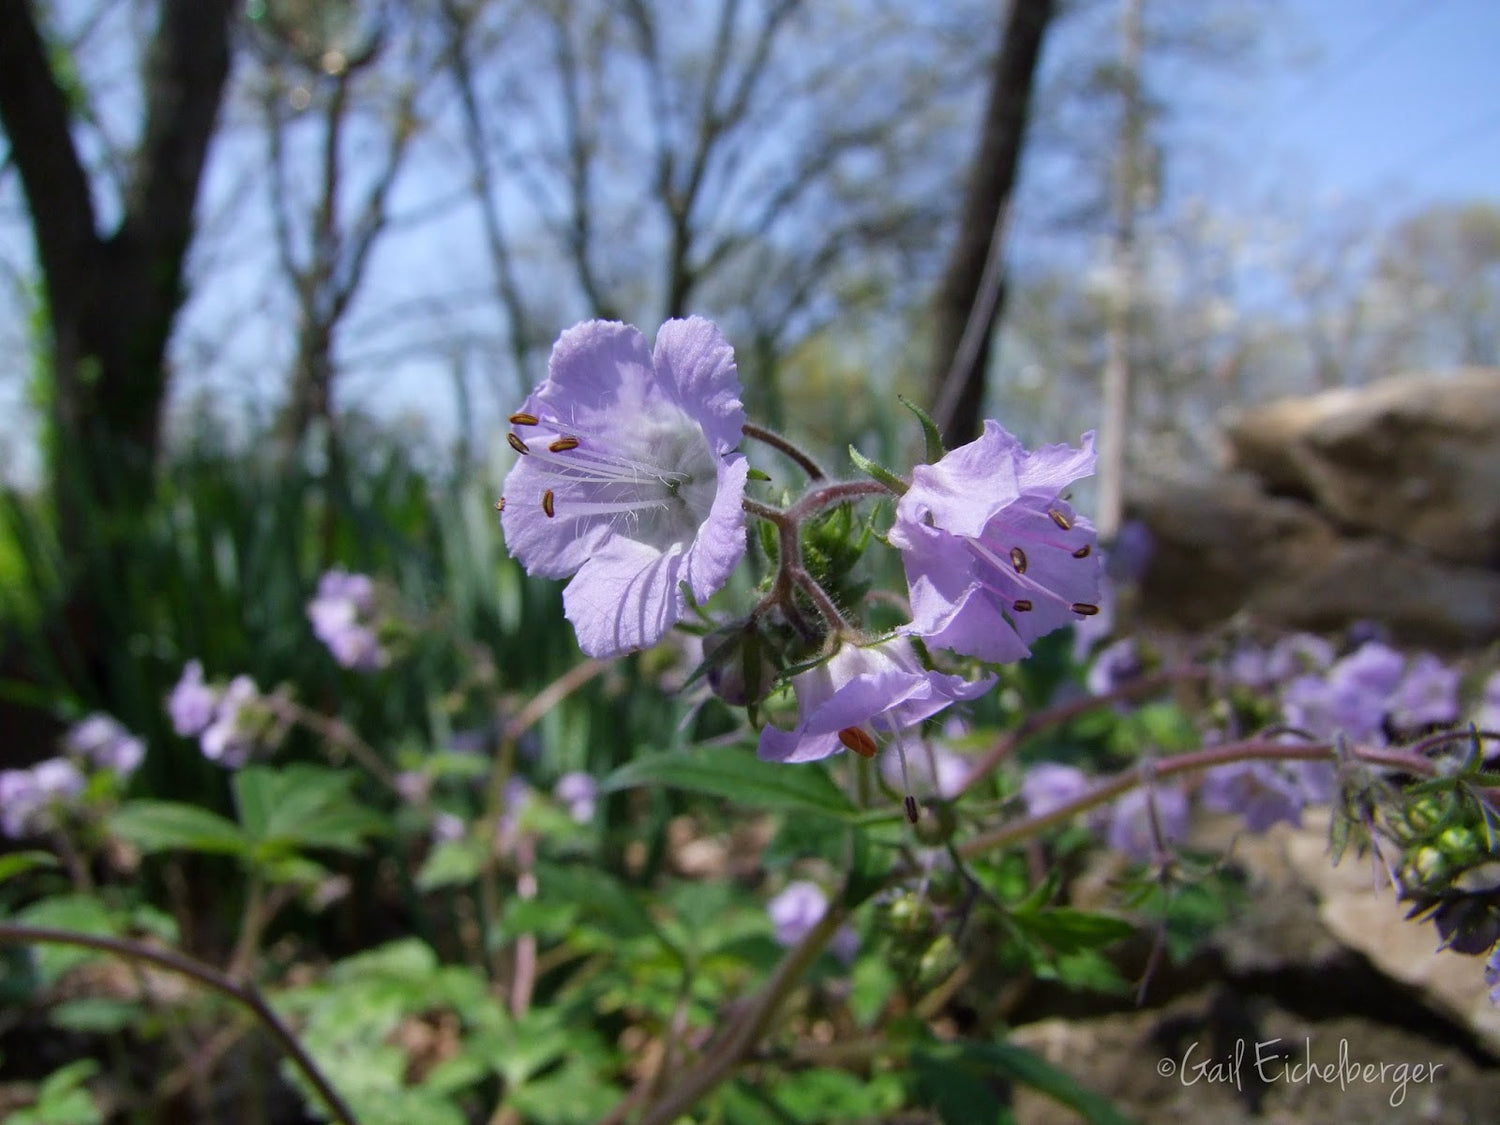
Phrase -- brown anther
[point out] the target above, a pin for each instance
(1083, 552)
(913, 814)
(1021, 605)
(547, 504)
(523, 419)
(1018, 560)
(1061, 520)
(500, 504)
(517, 444)
(859, 741)
(563, 444)
(1085, 608)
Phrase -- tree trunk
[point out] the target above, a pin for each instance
(112, 298)
(972, 293)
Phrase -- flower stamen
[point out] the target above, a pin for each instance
(547, 505)
(860, 741)
(517, 444)
(563, 444)
(520, 419)
(1083, 552)
(1061, 520)
(1085, 608)
(1018, 560)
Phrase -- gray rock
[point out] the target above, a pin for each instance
(1415, 458)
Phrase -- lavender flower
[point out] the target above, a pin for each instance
(29, 799)
(934, 770)
(578, 791)
(19, 800)
(1115, 666)
(341, 616)
(994, 557)
(1130, 827)
(862, 687)
(448, 827)
(627, 480)
(192, 703)
(105, 744)
(1258, 791)
(1426, 695)
(1492, 975)
(1486, 714)
(231, 738)
(1049, 786)
(798, 908)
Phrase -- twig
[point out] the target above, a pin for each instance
(15, 933)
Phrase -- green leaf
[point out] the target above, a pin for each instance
(450, 863)
(598, 895)
(18, 862)
(745, 780)
(158, 826)
(1066, 930)
(758, 474)
(1030, 1069)
(930, 432)
(951, 1084)
(878, 471)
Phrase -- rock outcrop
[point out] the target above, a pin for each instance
(1379, 503)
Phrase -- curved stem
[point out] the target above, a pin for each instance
(736, 1042)
(1245, 751)
(781, 444)
(15, 933)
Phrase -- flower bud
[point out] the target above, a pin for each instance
(740, 671)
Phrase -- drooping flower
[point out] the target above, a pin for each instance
(1257, 791)
(105, 744)
(232, 736)
(627, 479)
(192, 703)
(1137, 816)
(30, 798)
(933, 770)
(798, 908)
(859, 690)
(1492, 975)
(995, 558)
(1427, 694)
(342, 616)
(1486, 714)
(579, 792)
(1049, 786)
(1115, 666)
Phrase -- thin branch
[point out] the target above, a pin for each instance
(15, 933)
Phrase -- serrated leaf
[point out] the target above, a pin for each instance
(878, 472)
(803, 787)
(158, 826)
(932, 436)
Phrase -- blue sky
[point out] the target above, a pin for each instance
(1395, 96)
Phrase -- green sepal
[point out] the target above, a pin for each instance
(759, 474)
(936, 451)
(878, 472)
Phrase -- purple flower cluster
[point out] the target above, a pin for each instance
(343, 616)
(627, 482)
(230, 723)
(31, 799)
(1372, 689)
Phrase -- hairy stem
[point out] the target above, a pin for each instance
(781, 444)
